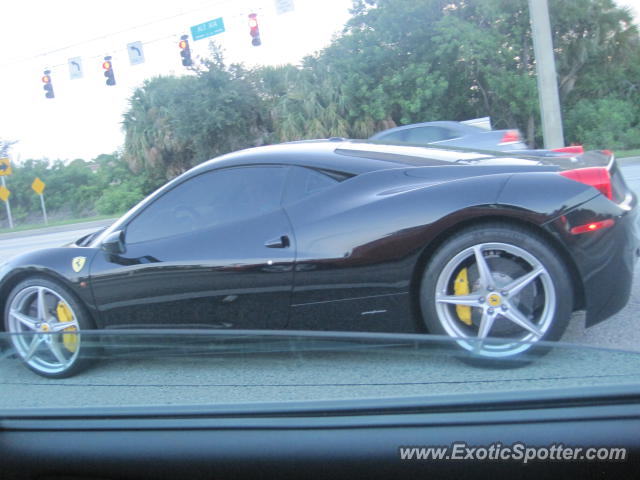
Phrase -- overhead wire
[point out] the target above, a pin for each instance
(206, 6)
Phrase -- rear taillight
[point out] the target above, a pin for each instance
(569, 149)
(510, 136)
(597, 177)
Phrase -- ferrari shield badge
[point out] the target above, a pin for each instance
(77, 263)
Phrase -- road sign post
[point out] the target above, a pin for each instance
(38, 187)
(5, 169)
(4, 195)
(44, 210)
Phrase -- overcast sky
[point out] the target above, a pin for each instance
(84, 118)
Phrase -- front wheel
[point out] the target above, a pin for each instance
(46, 322)
(498, 289)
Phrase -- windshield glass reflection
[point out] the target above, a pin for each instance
(188, 367)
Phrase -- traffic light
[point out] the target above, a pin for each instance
(254, 31)
(185, 51)
(108, 71)
(48, 86)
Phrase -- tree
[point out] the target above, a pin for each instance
(174, 123)
(456, 59)
(399, 62)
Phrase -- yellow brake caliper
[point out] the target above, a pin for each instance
(70, 341)
(461, 287)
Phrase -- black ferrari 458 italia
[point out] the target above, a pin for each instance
(342, 235)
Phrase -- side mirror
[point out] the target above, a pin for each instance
(114, 243)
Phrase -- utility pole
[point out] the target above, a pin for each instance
(546, 72)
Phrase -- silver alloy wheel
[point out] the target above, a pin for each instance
(38, 338)
(495, 296)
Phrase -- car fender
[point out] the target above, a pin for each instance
(70, 266)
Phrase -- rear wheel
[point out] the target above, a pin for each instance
(499, 289)
(46, 322)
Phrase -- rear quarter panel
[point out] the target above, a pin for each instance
(360, 243)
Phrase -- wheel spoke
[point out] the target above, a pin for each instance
(486, 279)
(54, 346)
(518, 318)
(468, 300)
(486, 322)
(42, 308)
(26, 320)
(35, 343)
(60, 326)
(514, 287)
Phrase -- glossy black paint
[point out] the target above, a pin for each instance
(348, 257)
(222, 277)
(54, 263)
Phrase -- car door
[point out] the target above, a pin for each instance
(215, 250)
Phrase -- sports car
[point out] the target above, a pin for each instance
(492, 249)
(453, 134)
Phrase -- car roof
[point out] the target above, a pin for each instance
(457, 126)
(346, 156)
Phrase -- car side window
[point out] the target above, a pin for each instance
(450, 133)
(430, 134)
(397, 136)
(211, 198)
(303, 182)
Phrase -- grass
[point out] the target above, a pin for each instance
(57, 223)
(627, 153)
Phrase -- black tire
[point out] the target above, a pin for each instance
(79, 353)
(508, 252)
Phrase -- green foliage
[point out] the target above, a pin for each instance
(118, 199)
(605, 123)
(76, 189)
(399, 62)
(174, 123)
(119, 188)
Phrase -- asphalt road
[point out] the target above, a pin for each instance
(163, 377)
(12, 244)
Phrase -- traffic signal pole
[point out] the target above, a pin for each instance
(546, 73)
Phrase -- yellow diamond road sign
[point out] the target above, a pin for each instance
(4, 193)
(38, 186)
(5, 166)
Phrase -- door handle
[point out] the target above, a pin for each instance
(280, 242)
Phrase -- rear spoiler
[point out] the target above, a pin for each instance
(592, 158)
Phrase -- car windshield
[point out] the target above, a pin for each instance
(207, 203)
(175, 368)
